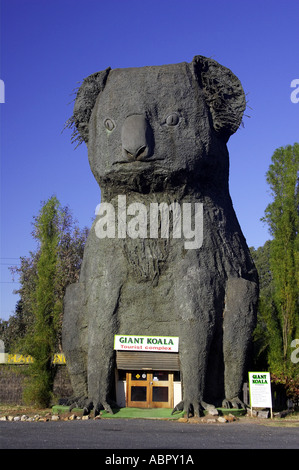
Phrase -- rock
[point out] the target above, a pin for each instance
(72, 417)
(222, 419)
(10, 418)
(3, 418)
(183, 420)
(263, 414)
(17, 418)
(24, 418)
(55, 418)
(211, 420)
(230, 418)
(284, 413)
(212, 411)
(84, 418)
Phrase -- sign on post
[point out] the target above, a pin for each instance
(260, 390)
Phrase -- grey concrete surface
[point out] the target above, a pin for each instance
(117, 434)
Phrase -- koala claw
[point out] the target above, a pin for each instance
(192, 409)
(77, 402)
(178, 407)
(196, 408)
(233, 403)
(87, 408)
(105, 405)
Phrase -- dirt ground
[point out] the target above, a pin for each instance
(45, 414)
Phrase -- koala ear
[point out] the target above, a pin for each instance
(223, 93)
(84, 103)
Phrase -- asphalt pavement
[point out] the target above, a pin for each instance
(153, 435)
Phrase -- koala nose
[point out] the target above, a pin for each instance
(136, 138)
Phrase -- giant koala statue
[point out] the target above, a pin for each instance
(158, 134)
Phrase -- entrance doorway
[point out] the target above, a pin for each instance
(149, 389)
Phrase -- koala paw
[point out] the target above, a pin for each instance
(194, 408)
(178, 407)
(233, 403)
(107, 405)
(76, 402)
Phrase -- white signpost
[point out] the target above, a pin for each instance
(260, 390)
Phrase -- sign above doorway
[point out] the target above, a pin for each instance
(146, 343)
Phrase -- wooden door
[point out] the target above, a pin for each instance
(152, 389)
(138, 389)
(161, 390)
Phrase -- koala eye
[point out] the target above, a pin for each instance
(109, 124)
(172, 119)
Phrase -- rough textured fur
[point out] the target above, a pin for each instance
(165, 140)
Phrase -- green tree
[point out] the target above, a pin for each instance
(70, 254)
(265, 329)
(14, 328)
(44, 276)
(282, 217)
(41, 343)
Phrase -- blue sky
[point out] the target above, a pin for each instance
(48, 46)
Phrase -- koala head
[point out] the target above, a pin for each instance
(152, 126)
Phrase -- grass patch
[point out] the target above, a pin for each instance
(128, 413)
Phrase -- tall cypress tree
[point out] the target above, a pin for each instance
(41, 343)
(282, 216)
(35, 329)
